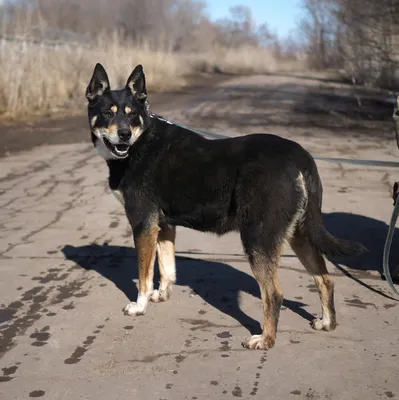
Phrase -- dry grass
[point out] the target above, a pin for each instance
(42, 79)
(244, 60)
(37, 78)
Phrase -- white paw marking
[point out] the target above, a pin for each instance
(258, 342)
(138, 308)
(155, 296)
(133, 309)
(321, 324)
(160, 295)
(254, 342)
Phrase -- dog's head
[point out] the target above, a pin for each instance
(117, 117)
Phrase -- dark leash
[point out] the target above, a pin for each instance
(395, 213)
(387, 248)
(357, 161)
(362, 162)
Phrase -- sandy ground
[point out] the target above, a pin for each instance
(68, 264)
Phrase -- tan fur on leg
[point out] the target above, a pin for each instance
(146, 248)
(314, 263)
(265, 272)
(166, 261)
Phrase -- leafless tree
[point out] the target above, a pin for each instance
(360, 36)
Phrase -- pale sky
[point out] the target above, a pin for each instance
(281, 16)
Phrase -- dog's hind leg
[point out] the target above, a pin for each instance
(314, 263)
(167, 264)
(145, 243)
(264, 264)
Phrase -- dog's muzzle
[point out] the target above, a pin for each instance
(119, 150)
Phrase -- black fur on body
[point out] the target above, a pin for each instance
(263, 186)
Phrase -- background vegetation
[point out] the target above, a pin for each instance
(48, 48)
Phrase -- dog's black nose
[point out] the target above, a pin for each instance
(124, 134)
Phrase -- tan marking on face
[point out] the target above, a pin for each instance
(128, 110)
(112, 130)
(136, 131)
(93, 120)
(114, 109)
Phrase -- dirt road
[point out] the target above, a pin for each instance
(67, 264)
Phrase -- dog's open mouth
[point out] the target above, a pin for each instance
(118, 150)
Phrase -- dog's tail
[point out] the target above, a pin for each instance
(331, 246)
(315, 230)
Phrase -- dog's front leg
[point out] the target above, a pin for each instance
(145, 241)
(166, 262)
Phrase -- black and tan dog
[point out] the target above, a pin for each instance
(265, 187)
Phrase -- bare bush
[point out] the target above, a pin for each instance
(358, 36)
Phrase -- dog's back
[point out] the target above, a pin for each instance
(217, 185)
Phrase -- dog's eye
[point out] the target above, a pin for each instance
(130, 113)
(108, 114)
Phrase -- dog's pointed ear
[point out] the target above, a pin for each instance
(99, 83)
(136, 83)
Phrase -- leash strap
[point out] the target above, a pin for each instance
(395, 213)
(364, 162)
(359, 161)
(387, 248)
(395, 117)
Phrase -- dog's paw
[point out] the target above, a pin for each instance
(321, 325)
(159, 296)
(258, 342)
(134, 309)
